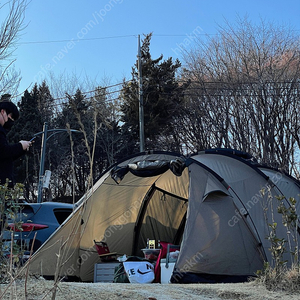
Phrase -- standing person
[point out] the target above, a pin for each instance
(9, 152)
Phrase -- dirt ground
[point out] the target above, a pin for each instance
(43, 289)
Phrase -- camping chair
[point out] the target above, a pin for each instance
(104, 253)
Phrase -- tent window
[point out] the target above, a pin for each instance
(162, 218)
(216, 193)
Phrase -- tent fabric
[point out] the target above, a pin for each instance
(208, 242)
(289, 187)
(254, 194)
(216, 205)
(110, 213)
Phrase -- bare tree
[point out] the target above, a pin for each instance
(246, 90)
(10, 29)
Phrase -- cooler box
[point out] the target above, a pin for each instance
(166, 270)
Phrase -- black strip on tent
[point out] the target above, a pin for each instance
(149, 168)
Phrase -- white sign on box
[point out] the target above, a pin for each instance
(139, 271)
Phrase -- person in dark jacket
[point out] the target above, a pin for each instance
(9, 152)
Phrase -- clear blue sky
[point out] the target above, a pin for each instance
(98, 38)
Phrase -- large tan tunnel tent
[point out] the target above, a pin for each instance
(210, 203)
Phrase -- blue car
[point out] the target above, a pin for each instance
(41, 219)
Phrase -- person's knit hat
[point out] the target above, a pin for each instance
(9, 107)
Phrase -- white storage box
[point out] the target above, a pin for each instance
(166, 270)
(104, 272)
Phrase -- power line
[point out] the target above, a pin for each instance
(90, 97)
(105, 38)
(185, 93)
(115, 37)
(204, 87)
(92, 91)
(72, 39)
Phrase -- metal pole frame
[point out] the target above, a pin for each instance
(45, 138)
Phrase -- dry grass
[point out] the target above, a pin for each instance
(280, 279)
(39, 289)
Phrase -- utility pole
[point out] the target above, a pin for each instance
(141, 104)
(42, 162)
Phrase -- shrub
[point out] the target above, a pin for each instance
(279, 276)
(10, 253)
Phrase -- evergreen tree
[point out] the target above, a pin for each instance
(46, 104)
(75, 115)
(108, 131)
(162, 97)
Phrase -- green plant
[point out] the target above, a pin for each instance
(278, 246)
(279, 276)
(290, 221)
(10, 206)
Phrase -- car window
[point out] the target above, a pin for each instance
(61, 214)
